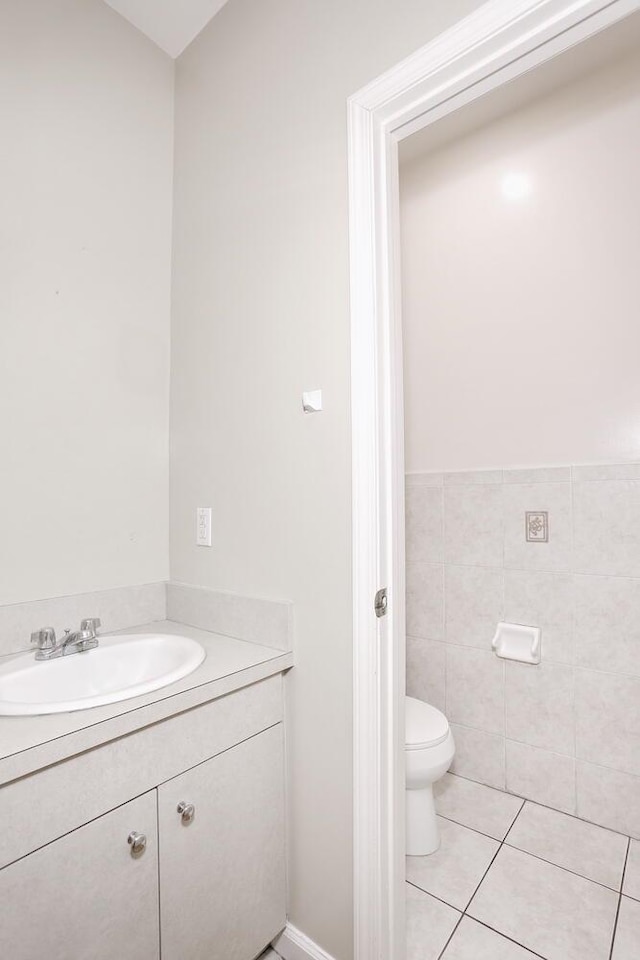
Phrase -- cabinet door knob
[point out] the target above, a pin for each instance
(137, 842)
(187, 812)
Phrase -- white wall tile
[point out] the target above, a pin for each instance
(542, 600)
(473, 524)
(424, 479)
(473, 604)
(608, 720)
(459, 477)
(555, 499)
(537, 475)
(426, 671)
(609, 798)
(475, 689)
(540, 775)
(425, 600)
(607, 471)
(607, 624)
(539, 705)
(424, 524)
(607, 527)
(479, 756)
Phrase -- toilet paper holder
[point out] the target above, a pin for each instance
(516, 641)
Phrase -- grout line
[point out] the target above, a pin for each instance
(534, 953)
(615, 922)
(451, 935)
(469, 902)
(522, 806)
(435, 897)
(459, 823)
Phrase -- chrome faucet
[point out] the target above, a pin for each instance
(76, 641)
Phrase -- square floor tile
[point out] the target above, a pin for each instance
(626, 945)
(548, 910)
(430, 923)
(631, 887)
(591, 851)
(476, 806)
(472, 941)
(454, 871)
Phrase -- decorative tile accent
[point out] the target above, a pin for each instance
(537, 527)
(553, 499)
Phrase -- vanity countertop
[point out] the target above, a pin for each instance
(28, 744)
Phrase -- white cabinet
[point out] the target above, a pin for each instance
(85, 897)
(222, 873)
(209, 889)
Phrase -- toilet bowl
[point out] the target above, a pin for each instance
(429, 752)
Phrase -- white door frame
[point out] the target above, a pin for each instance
(500, 41)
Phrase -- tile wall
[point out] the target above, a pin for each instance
(566, 732)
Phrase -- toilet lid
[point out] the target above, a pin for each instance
(424, 725)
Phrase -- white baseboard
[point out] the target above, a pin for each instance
(293, 944)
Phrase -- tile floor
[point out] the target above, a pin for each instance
(513, 880)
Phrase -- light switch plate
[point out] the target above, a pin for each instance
(203, 530)
(312, 401)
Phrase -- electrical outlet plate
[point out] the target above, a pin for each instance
(203, 526)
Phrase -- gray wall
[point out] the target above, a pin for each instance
(261, 312)
(85, 259)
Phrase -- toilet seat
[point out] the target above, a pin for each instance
(425, 726)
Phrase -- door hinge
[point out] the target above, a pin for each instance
(381, 602)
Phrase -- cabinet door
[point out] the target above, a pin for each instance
(222, 875)
(85, 897)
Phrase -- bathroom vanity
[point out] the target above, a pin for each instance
(150, 828)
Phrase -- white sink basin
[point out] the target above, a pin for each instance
(119, 668)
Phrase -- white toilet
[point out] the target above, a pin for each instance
(429, 752)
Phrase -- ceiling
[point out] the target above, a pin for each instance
(172, 24)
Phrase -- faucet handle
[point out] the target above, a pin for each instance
(91, 624)
(45, 638)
